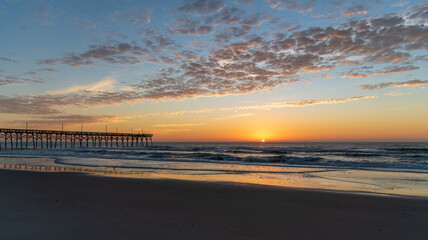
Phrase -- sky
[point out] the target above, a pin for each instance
(200, 70)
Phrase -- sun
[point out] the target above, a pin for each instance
(263, 140)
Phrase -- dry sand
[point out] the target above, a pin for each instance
(43, 205)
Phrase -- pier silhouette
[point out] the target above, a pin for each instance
(49, 139)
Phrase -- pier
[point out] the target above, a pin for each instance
(48, 139)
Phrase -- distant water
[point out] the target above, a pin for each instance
(404, 157)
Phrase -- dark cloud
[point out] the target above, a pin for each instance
(47, 70)
(55, 103)
(240, 23)
(40, 70)
(202, 7)
(255, 19)
(387, 21)
(227, 16)
(419, 13)
(8, 60)
(230, 33)
(121, 53)
(389, 56)
(5, 82)
(411, 83)
(27, 105)
(155, 41)
(278, 24)
(397, 69)
(139, 15)
(13, 80)
(356, 75)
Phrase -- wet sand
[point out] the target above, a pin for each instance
(46, 205)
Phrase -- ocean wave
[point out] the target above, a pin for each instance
(410, 149)
(282, 159)
(355, 155)
(360, 154)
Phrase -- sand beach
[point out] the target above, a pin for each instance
(59, 205)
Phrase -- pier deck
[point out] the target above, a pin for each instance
(31, 138)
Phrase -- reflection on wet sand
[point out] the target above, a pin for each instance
(358, 181)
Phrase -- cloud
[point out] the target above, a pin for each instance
(139, 15)
(244, 2)
(13, 80)
(36, 72)
(172, 130)
(239, 115)
(55, 121)
(120, 53)
(389, 56)
(397, 69)
(264, 107)
(227, 16)
(56, 103)
(355, 10)
(419, 13)
(290, 5)
(82, 23)
(105, 84)
(156, 42)
(227, 34)
(400, 4)
(387, 21)
(396, 94)
(187, 26)
(356, 75)
(42, 12)
(411, 83)
(28, 105)
(254, 63)
(178, 125)
(8, 81)
(255, 19)
(305, 103)
(8, 60)
(242, 62)
(202, 7)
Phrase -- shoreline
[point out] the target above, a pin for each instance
(374, 182)
(169, 177)
(52, 205)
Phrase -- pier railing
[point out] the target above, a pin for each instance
(31, 138)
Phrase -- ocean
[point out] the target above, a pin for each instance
(363, 166)
(394, 156)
